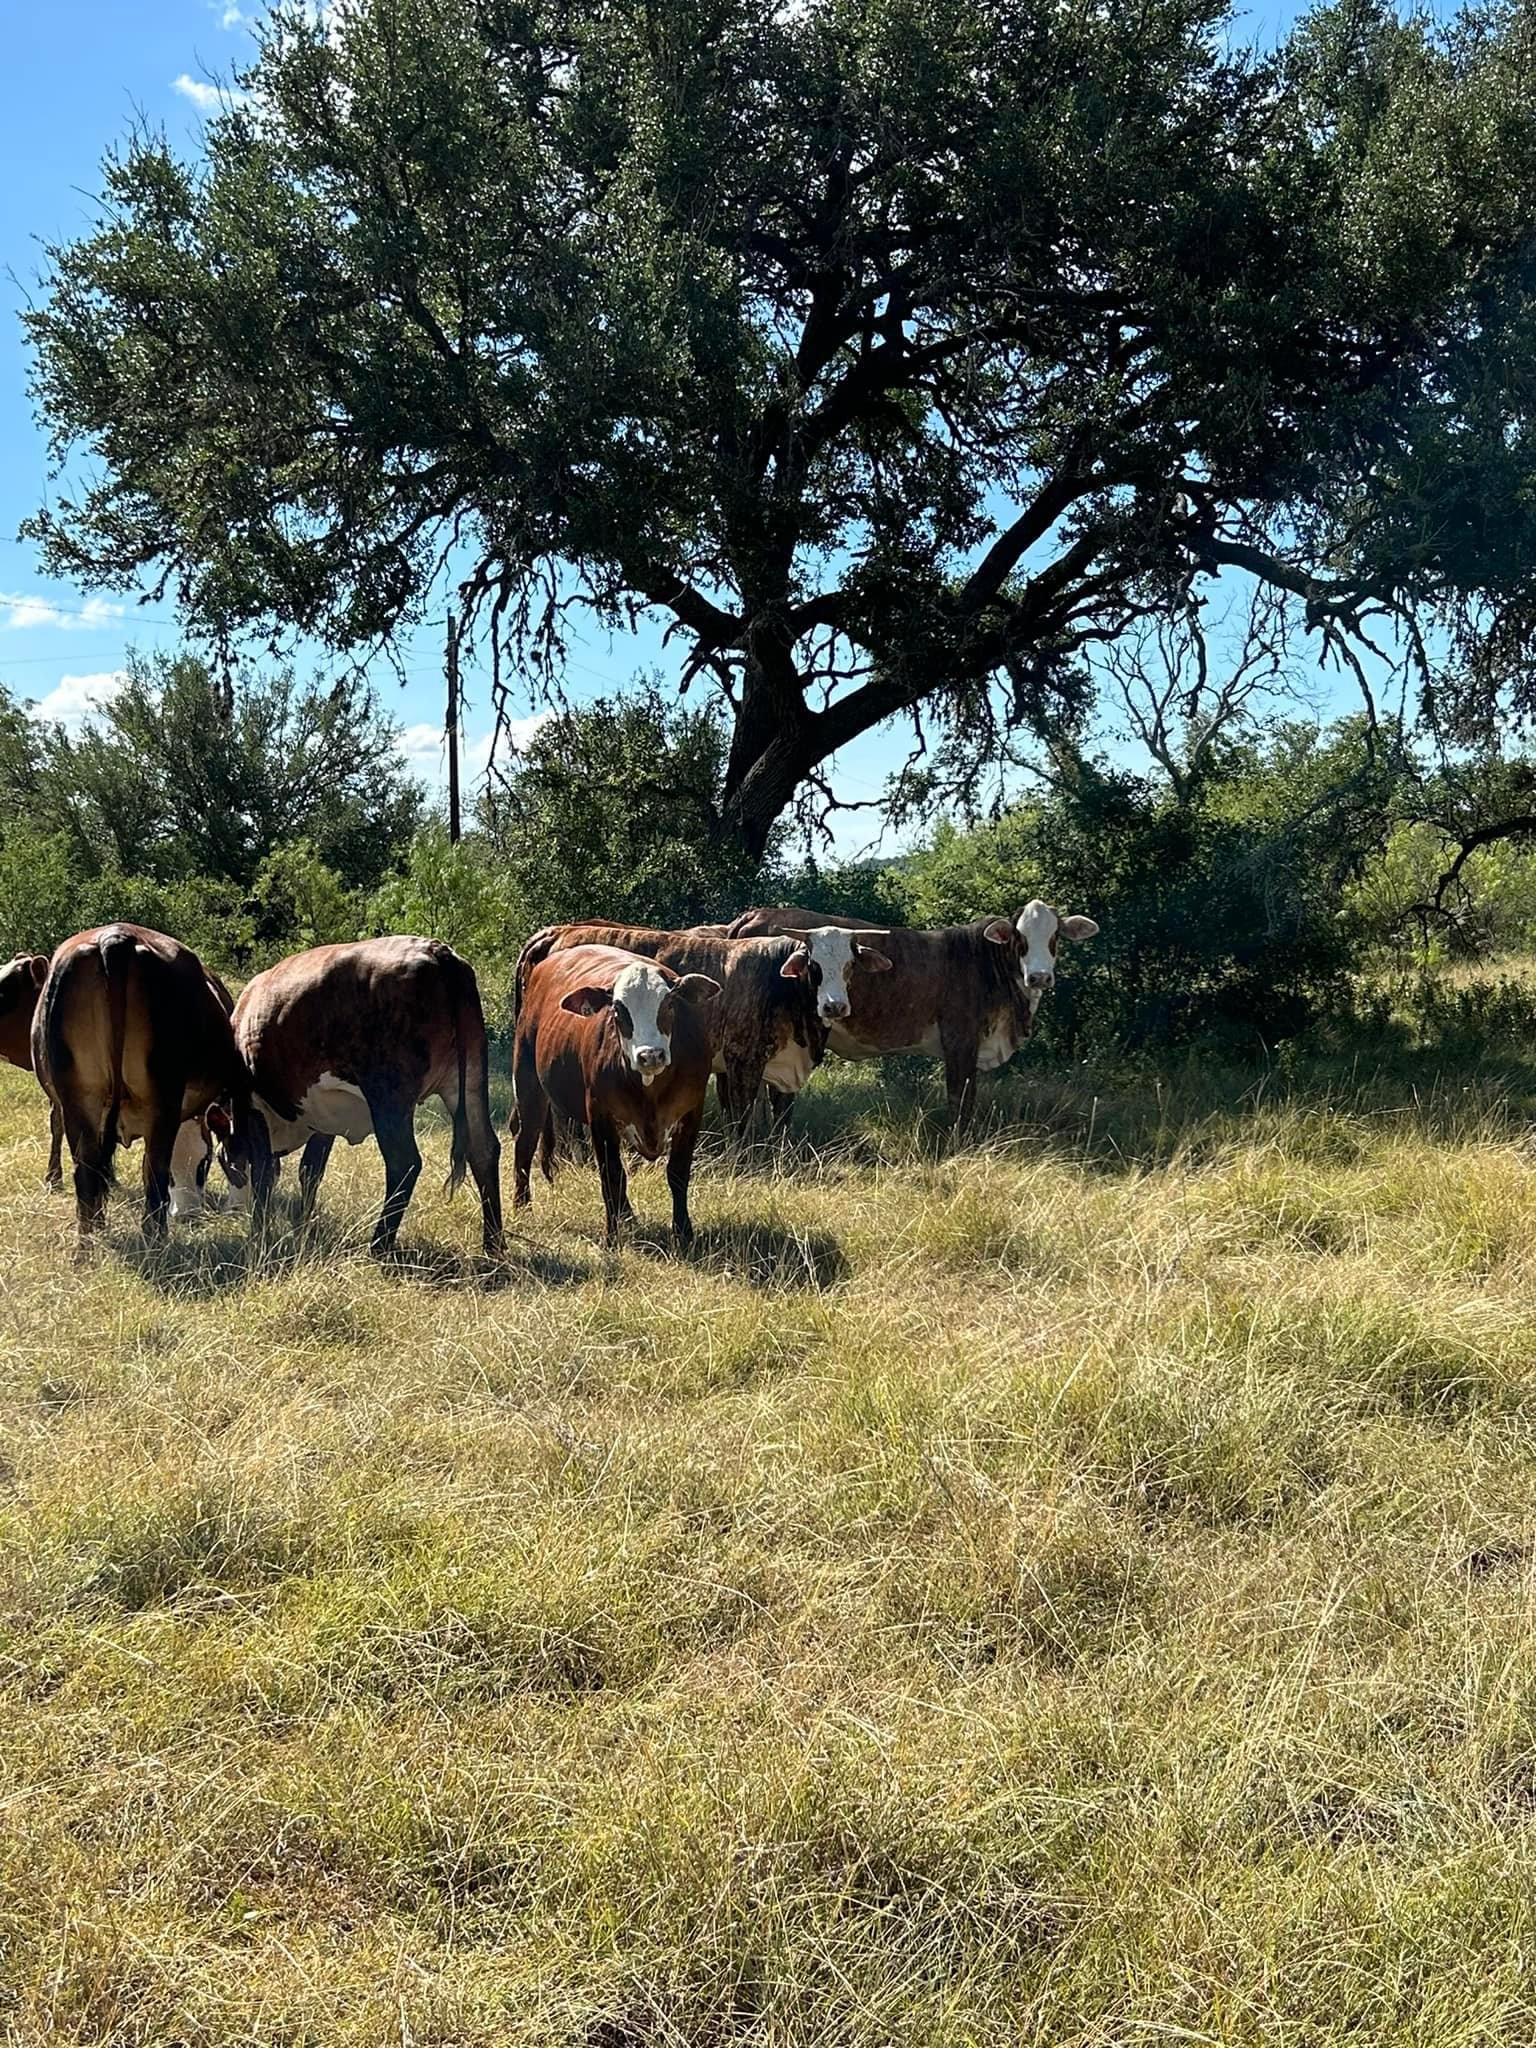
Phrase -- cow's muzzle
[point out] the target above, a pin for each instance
(832, 1011)
(651, 1059)
(1040, 980)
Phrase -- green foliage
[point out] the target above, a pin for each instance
(42, 891)
(178, 776)
(824, 320)
(297, 898)
(1219, 915)
(611, 812)
(458, 894)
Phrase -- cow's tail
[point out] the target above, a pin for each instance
(116, 948)
(472, 1106)
(538, 948)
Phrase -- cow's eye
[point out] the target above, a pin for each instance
(625, 1022)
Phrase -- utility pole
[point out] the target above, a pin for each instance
(452, 665)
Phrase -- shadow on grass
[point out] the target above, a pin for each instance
(766, 1256)
(210, 1260)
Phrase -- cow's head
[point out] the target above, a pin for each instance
(191, 1156)
(827, 960)
(643, 1002)
(234, 1154)
(1036, 932)
(21, 980)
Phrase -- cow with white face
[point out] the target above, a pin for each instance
(640, 995)
(1040, 930)
(832, 953)
(966, 994)
(764, 1027)
(623, 1046)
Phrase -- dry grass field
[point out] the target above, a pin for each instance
(1077, 1591)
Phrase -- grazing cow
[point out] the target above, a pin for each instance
(965, 993)
(345, 1041)
(764, 1028)
(620, 1045)
(131, 1039)
(21, 983)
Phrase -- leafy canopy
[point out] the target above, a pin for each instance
(179, 778)
(895, 353)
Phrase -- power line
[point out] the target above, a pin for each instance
(18, 601)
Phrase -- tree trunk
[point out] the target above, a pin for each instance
(772, 745)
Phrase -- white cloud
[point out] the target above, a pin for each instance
(235, 17)
(20, 613)
(71, 703)
(205, 96)
(424, 751)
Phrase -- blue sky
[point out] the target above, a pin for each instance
(77, 74)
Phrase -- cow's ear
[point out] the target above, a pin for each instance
(1077, 928)
(695, 988)
(999, 931)
(586, 1002)
(870, 957)
(797, 966)
(37, 967)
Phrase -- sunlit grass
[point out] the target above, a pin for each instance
(1076, 1591)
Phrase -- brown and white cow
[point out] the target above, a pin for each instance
(345, 1041)
(764, 1028)
(21, 983)
(621, 1045)
(131, 1039)
(966, 994)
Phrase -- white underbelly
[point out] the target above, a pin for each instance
(790, 1068)
(855, 1049)
(997, 1048)
(330, 1108)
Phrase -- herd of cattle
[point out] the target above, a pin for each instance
(617, 1030)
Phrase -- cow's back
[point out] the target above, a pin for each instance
(126, 1015)
(372, 1012)
(787, 921)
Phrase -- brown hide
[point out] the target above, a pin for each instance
(131, 1041)
(21, 983)
(395, 1020)
(948, 992)
(575, 1065)
(761, 1020)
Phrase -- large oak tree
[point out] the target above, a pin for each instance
(895, 352)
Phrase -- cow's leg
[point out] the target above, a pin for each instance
(394, 1125)
(685, 1137)
(746, 1081)
(610, 1170)
(313, 1161)
(547, 1147)
(54, 1178)
(159, 1144)
(781, 1107)
(534, 1126)
(265, 1167)
(485, 1165)
(92, 1172)
(960, 1086)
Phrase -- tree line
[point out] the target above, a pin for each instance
(1241, 896)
